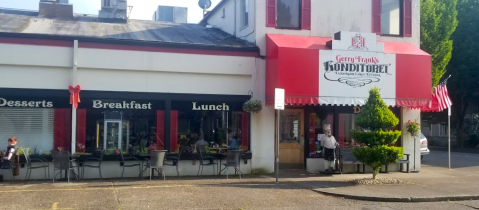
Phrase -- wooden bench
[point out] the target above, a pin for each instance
(401, 162)
(346, 157)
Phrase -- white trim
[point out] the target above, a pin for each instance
(350, 101)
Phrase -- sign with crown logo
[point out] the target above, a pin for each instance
(355, 64)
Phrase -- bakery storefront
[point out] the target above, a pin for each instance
(115, 121)
(326, 81)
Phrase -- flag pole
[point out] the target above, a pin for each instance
(449, 135)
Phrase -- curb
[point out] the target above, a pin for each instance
(402, 199)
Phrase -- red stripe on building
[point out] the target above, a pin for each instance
(174, 131)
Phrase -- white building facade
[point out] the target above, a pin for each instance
(296, 38)
(140, 83)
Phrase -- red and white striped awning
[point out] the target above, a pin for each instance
(297, 64)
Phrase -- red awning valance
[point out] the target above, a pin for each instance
(294, 63)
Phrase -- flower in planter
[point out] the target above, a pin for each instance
(413, 128)
(253, 106)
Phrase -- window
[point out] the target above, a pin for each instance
(347, 123)
(288, 14)
(290, 123)
(32, 127)
(244, 13)
(391, 17)
(106, 3)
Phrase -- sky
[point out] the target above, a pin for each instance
(142, 9)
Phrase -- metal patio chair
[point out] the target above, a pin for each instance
(210, 161)
(156, 162)
(233, 160)
(130, 158)
(62, 161)
(175, 161)
(8, 165)
(43, 163)
(95, 162)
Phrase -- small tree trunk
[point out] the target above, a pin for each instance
(374, 173)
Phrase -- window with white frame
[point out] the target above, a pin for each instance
(32, 127)
(391, 17)
(244, 13)
(288, 14)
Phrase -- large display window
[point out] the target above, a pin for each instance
(213, 124)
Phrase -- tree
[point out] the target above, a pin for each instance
(464, 65)
(438, 22)
(377, 120)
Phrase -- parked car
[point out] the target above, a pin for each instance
(423, 148)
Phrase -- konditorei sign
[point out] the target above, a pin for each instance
(17, 103)
(355, 64)
(99, 104)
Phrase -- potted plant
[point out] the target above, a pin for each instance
(253, 106)
(413, 128)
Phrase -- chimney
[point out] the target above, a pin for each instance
(171, 14)
(59, 9)
(114, 10)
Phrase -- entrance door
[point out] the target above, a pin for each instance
(112, 134)
(291, 146)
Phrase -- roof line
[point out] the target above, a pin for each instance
(129, 42)
(222, 2)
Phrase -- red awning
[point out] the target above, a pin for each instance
(434, 105)
(293, 63)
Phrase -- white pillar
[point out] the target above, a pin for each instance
(407, 140)
(74, 83)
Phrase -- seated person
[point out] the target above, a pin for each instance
(233, 143)
(11, 152)
(201, 142)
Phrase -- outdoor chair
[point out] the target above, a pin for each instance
(211, 161)
(130, 158)
(43, 163)
(62, 161)
(8, 165)
(233, 160)
(175, 161)
(95, 162)
(156, 162)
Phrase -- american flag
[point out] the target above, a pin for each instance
(442, 96)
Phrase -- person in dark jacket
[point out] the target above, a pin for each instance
(8, 157)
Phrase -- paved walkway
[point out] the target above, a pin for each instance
(434, 183)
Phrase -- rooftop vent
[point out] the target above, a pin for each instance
(55, 9)
(114, 10)
(171, 14)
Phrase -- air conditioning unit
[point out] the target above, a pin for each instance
(55, 1)
(116, 4)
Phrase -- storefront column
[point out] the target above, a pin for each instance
(167, 124)
(407, 140)
(306, 135)
(74, 83)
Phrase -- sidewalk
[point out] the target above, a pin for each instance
(431, 184)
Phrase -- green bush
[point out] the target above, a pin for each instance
(377, 156)
(376, 138)
(377, 120)
(472, 141)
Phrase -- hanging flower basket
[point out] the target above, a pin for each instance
(413, 128)
(253, 106)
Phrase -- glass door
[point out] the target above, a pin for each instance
(112, 135)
